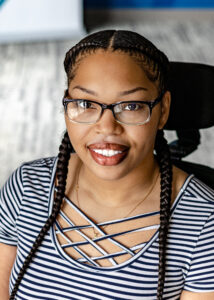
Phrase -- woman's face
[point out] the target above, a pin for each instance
(109, 77)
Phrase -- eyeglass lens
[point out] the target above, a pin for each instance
(84, 111)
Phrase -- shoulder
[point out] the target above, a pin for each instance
(35, 168)
(37, 177)
(36, 174)
(193, 207)
(199, 191)
(39, 168)
(199, 211)
(192, 219)
(189, 187)
(47, 162)
(195, 197)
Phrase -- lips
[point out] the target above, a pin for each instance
(108, 154)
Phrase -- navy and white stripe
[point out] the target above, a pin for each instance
(26, 201)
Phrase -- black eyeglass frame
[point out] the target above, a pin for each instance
(151, 105)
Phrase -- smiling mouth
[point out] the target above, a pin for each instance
(108, 154)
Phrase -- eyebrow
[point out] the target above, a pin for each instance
(139, 88)
(85, 90)
(124, 93)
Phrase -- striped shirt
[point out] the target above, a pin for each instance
(25, 203)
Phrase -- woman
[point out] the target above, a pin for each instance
(109, 218)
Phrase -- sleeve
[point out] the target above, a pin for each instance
(10, 198)
(200, 277)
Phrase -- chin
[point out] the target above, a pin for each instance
(110, 173)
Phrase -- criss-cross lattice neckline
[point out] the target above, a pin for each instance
(91, 261)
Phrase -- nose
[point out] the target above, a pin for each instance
(107, 124)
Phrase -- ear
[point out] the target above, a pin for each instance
(165, 108)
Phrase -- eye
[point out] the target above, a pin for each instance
(132, 107)
(85, 104)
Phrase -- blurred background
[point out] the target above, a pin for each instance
(34, 37)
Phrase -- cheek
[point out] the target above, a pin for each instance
(77, 134)
(144, 139)
(144, 135)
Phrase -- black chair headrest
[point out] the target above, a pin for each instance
(192, 89)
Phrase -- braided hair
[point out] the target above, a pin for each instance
(155, 64)
(61, 172)
(163, 156)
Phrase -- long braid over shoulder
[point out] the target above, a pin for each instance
(163, 156)
(155, 65)
(61, 171)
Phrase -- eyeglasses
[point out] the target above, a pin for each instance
(125, 112)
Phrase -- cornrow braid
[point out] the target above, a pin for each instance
(73, 53)
(150, 55)
(61, 172)
(158, 63)
(153, 53)
(163, 156)
(125, 41)
(70, 57)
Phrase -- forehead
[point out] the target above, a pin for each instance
(110, 69)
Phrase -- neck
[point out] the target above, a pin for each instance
(122, 191)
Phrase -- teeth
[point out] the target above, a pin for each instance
(106, 152)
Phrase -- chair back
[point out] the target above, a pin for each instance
(192, 90)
